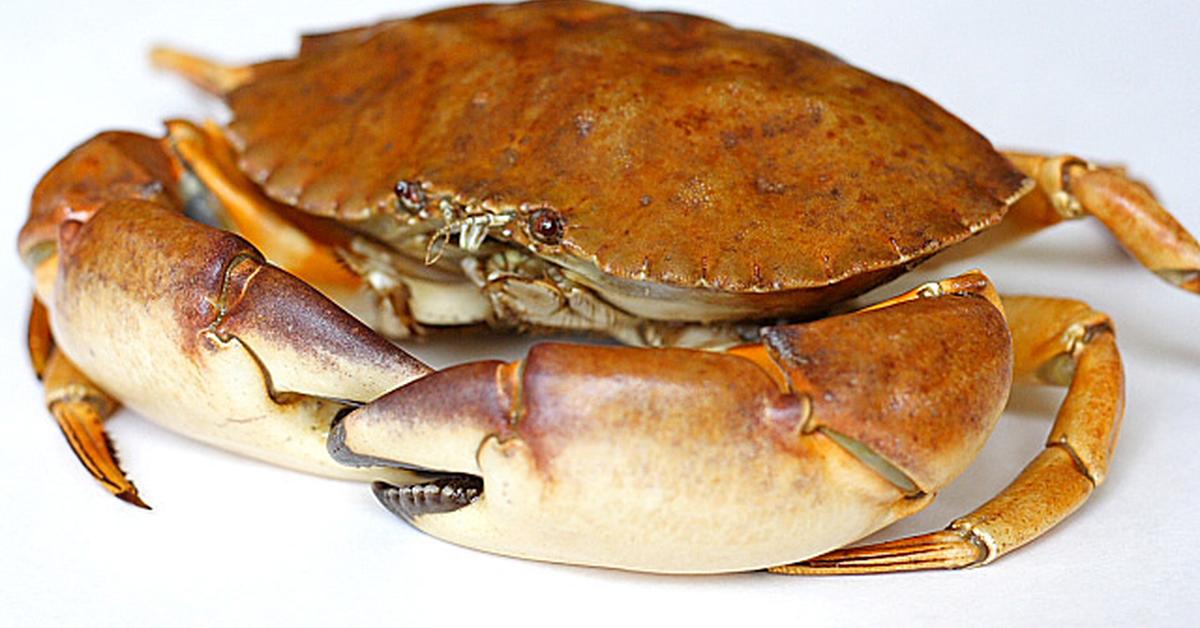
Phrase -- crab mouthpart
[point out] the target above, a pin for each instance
(438, 494)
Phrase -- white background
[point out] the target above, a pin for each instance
(232, 540)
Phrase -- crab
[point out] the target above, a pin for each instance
(709, 195)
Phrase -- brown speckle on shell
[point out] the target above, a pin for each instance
(608, 106)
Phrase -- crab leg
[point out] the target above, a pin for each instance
(186, 324)
(1069, 187)
(212, 77)
(322, 252)
(232, 202)
(80, 408)
(111, 166)
(40, 340)
(1058, 342)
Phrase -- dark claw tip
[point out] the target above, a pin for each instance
(440, 493)
(336, 443)
(130, 496)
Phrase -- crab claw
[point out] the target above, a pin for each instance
(688, 461)
(188, 325)
(138, 305)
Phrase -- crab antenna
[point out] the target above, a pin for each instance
(206, 74)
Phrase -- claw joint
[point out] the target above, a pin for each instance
(988, 549)
(1054, 176)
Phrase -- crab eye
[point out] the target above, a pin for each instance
(546, 226)
(411, 195)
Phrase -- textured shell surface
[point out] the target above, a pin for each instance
(676, 150)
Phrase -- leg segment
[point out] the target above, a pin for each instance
(212, 77)
(1059, 342)
(80, 408)
(393, 295)
(41, 342)
(1068, 187)
(305, 245)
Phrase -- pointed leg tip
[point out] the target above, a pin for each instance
(213, 77)
(130, 496)
(80, 410)
(937, 550)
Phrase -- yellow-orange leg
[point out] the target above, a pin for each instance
(322, 252)
(111, 166)
(213, 78)
(1069, 187)
(80, 408)
(40, 340)
(299, 242)
(1055, 341)
(306, 245)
